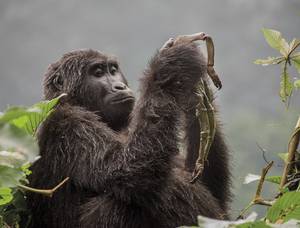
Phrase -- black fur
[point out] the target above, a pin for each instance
(132, 179)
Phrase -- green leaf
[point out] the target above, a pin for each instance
(293, 45)
(297, 84)
(10, 177)
(285, 208)
(274, 179)
(5, 196)
(283, 156)
(276, 41)
(22, 147)
(25, 169)
(29, 118)
(14, 113)
(296, 61)
(256, 224)
(269, 61)
(215, 223)
(252, 177)
(12, 159)
(286, 86)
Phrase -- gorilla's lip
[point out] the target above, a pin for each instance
(123, 99)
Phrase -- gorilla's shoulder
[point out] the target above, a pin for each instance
(68, 117)
(75, 113)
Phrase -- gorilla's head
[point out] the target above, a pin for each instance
(94, 81)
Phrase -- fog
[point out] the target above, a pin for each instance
(35, 33)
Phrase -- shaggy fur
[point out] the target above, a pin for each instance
(137, 182)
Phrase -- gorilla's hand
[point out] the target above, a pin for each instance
(183, 39)
(177, 68)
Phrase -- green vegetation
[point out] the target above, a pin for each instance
(284, 208)
(289, 56)
(18, 150)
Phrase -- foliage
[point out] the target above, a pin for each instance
(18, 150)
(289, 56)
(284, 209)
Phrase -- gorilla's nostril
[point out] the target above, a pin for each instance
(119, 86)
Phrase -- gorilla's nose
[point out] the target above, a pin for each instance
(117, 86)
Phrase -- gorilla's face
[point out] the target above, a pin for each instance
(106, 91)
(92, 80)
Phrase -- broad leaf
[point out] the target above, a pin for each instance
(23, 146)
(276, 41)
(285, 208)
(25, 168)
(293, 45)
(14, 113)
(10, 177)
(286, 86)
(29, 118)
(297, 84)
(253, 177)
(274, 179)
(296, 61)
(283, 156)
(256, 224)
(12, 159)
(214, 223)
(269, 61)
(5, 196)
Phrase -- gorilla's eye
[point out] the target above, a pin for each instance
(98, 72)
(113, 69)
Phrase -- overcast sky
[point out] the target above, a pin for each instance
(35, 33)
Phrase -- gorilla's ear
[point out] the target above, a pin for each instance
(53, 81)
(53, 76)
(57, 81)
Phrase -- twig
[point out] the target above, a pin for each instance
(292, 147)
(262, 179)
(46, 192)
(263, 152)
(257, 198)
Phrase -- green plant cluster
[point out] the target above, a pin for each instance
(18, 150)
(288, 57)
(284, 210)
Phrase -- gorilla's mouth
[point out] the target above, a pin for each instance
(122, 99)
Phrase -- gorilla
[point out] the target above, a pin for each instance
(122, 158)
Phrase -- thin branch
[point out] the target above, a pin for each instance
(241, 215)
(262, 179)
(292, 147)
(257, 198)
(46, 192)
(263, 152)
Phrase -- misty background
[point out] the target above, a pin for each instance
(35, 33)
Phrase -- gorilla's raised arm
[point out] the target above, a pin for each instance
(146, 158)
(91, 153)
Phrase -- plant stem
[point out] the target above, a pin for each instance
(46, 192)
(292, 147)
(257, 198)
(245, 210)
